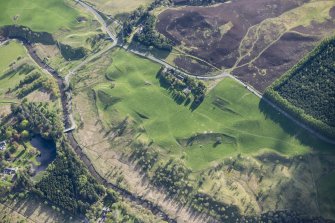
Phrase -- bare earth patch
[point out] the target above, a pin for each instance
(39, 96)
(4, 109)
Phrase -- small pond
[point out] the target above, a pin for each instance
(47, 150)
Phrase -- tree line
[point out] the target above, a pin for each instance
(34, 81)
(70, 53)
(149, 37)
(307, 90)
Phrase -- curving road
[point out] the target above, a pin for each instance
(146, 55)
(100, 19)
(220, 76)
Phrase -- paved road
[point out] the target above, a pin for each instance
(146, 55)
(105, 28)
(100, 19)
(74, 70)
(169, 66)
(222, 75)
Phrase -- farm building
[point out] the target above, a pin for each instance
(187, 91)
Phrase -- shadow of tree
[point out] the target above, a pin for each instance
(306, 138)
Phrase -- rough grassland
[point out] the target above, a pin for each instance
(236, 117)
(39, 15)
(32, 210)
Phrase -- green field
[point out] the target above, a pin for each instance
(236, 118)
(15, 65)
(58, 17)
(9, 54)
(39, 15)
(12, 51)
(68, 22)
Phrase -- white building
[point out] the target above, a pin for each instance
(3, 145)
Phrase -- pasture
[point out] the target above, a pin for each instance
(39, 15)
(67, 21)
(9, 54)
(120, 86)
(229, 112)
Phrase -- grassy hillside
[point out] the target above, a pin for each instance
(233, 147)
(229, 112)
(67, 21)
(39, 15)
